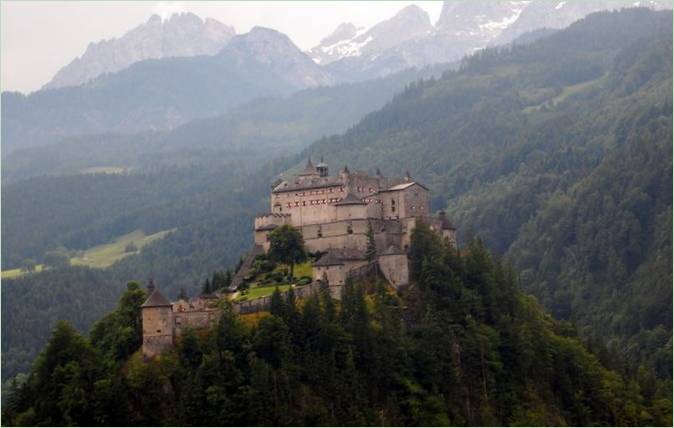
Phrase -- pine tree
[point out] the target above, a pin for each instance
(371, 251)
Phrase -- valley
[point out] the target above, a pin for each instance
(542, 129)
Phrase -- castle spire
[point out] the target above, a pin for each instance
(408, 176)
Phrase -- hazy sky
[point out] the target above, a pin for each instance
(39, 37)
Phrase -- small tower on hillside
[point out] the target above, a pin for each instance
(157, 322)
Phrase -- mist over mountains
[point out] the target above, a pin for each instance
(163, 74)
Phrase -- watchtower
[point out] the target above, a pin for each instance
(157, 323)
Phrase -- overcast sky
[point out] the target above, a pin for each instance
(38, 38)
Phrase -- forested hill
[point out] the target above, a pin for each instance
(461, 346)
(558, 154)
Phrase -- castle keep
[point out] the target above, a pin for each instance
(334, 214)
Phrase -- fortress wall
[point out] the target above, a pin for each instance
(395, 269)
(194, 319)
(336, 274)
(157, 330)
(351, 212)
(342, 241)
(415, 202)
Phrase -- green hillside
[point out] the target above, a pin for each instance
(558, 154)
(463, 346)
(576, 193)
(102, 256)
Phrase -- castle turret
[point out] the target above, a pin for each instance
(322, 168)
(309, 169)
(345, 175)
(157, 322)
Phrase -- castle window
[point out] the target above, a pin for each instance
(393, 205)
(349, 229)
(330, 190)
(158, 331)
(304, 203)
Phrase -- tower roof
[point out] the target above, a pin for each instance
(309, 169)
(156, 299)
(329, 259)
(351, 199)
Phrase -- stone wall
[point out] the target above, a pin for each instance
(395, 269)
(157, 330)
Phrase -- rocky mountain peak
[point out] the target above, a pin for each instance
(348, 41)
(183, 34)
(280, 54)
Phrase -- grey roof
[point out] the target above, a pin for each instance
(403, 186)
(306, 183)
(329, 259)
(350, 254)
(156, 299)
(266, 227)
(309, 169)
(351, 199)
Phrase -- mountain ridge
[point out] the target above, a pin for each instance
(183, 34)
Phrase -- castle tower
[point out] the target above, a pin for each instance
(322, 168)
(345, 175)
(309, 169)
(157, 323)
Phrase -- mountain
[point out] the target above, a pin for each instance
(348, 41)
(560, 14)
(558, 154)
(161, 93)
(257, 130)
(464, 27)
(183, 34)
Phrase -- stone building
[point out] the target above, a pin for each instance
(164, 320)
(334, 213)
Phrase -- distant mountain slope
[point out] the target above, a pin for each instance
(161, 93)
(464, 26)
(183, 34)
(246, 137)
(558, 154)
(252, 132)
(348, 41)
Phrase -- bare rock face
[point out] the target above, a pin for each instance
(275, 50)
(348, 41)
(182, 35)
(464, 26)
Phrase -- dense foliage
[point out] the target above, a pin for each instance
(558, 154)
(462, 346)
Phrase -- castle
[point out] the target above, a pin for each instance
(334, 214)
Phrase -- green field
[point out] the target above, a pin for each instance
(257, 292)
(105, 170)
(566, 93)
(102, 256)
